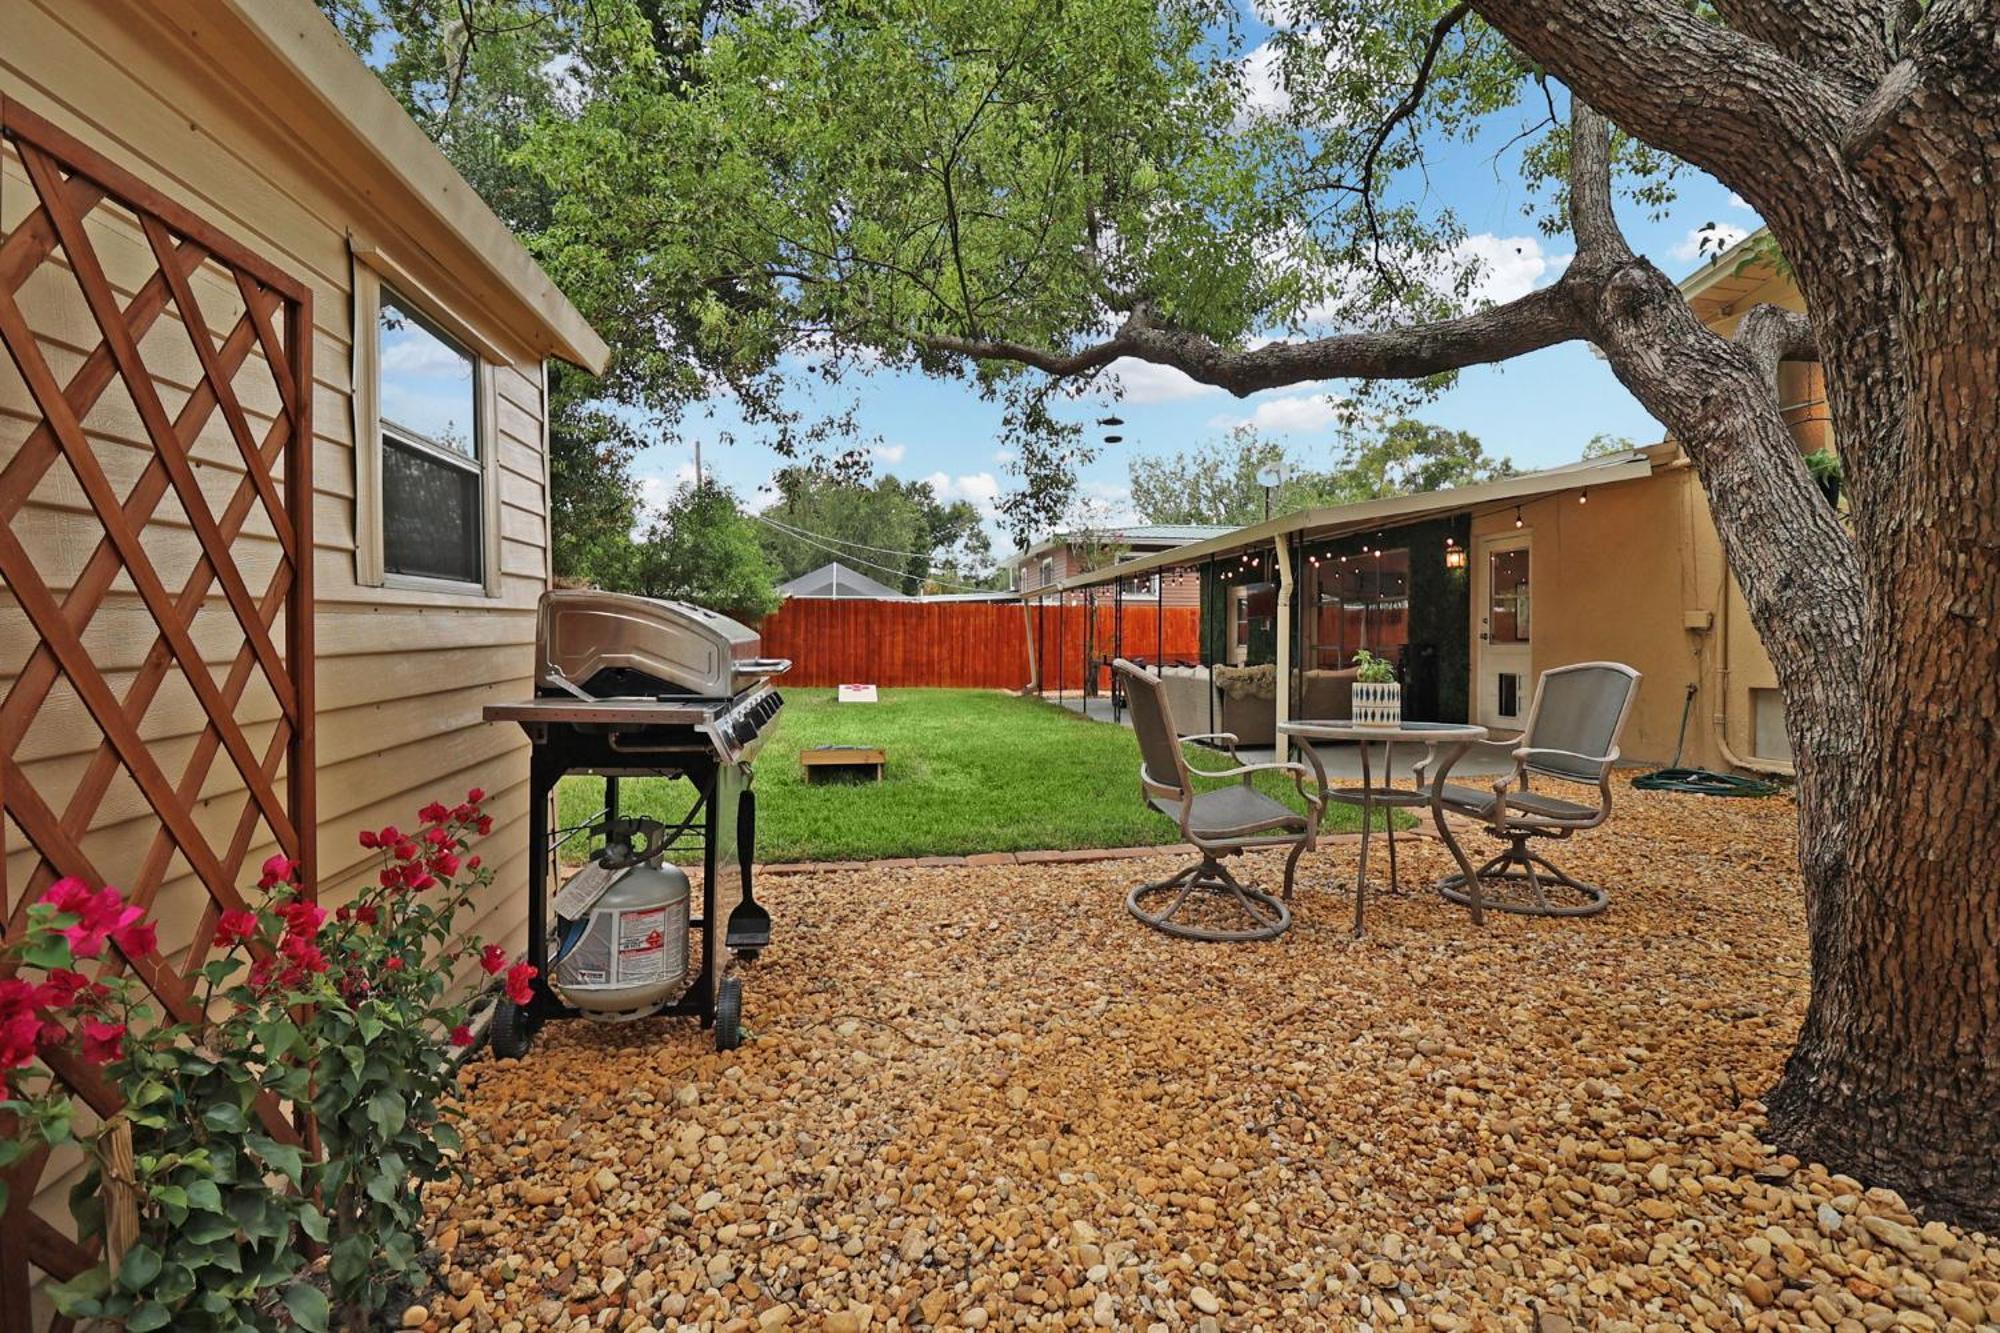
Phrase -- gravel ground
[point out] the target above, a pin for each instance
(984, 1097)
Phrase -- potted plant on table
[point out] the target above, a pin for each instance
(1378, 699)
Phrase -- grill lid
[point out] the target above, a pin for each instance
(615, 645)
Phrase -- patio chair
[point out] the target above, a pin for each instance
(1220, 822)
(1572, 736)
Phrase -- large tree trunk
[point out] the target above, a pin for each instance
(1896, 1078)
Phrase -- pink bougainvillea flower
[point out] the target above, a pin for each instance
(405, 851)
(136, 939)
(475, 796)
(68, 895)
(277, 870)
(422, 882)
(461, 1035)
(444, 864)
(102, 1042)
(485, 825)
(99, 915)
(520, 983)
(369, 838)
(434, 813)
(393, 963)
(472, 863)
(366, 914)
(20, 1031)
(61, 988)
(492, 958)
(302, 918)
(235, 927)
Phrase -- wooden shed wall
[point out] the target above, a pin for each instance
(402, 675)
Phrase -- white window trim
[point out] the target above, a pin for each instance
(371, 271)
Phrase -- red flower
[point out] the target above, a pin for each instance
(61, 989)
(473, 862)
(434, 813)
(405, 851)
(493, 958)
(475, 796)
(102, 1042)
(99, 916)
(445, 864)
(302, 918)
(369, 838)
(278, 869)
(461, 1035)
(394, 963)
(20, 1030)
(485, 825)
(366, 914)
(390, 836)
(136, 940)
(520, 979)
(235, 927)
(422, 882)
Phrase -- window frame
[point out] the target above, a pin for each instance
(373, 276)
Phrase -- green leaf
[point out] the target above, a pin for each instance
(206, 1228)
(308, 1306)
(226, 1118)
(203, 1195)
(78, 1298)
(387, 1112)
(281, 1157)
(313, 1222)
(141, 1266)
(147, 1317)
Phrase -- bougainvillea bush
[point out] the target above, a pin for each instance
(352, 1015)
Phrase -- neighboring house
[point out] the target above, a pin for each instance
(1475, 591)
(1068, 554)
(265, 565)
(834, 580)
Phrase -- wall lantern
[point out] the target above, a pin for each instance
(1454, 554)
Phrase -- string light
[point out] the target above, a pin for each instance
(1517, 516)
(1583, 496)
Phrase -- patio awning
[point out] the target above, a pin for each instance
(1396, 511)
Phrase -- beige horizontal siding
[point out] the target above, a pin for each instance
(402, 675)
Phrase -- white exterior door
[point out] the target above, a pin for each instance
(1503, 616)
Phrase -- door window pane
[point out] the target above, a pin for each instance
(1507, 617)
(1361, 602)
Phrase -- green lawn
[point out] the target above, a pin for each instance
(969, 771)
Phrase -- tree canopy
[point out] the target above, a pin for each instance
(700, 548)
(897, 532)
(1217, 482)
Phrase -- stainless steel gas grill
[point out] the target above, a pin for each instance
(638, 688)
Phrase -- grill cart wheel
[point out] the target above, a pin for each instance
(510, 1034)
(729, 1015)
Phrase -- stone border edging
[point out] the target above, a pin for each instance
(1079, 856)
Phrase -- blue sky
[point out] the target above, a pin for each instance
(1538, 410)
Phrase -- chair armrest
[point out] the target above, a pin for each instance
(1526, 751)
(1228, 739)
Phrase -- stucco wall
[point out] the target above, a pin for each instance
(1635, 574)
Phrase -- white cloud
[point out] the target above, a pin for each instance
(1106, 504)
(1738, 201)
(1144, 382)
(1004, 456)
(982, 488)
(890, 454)
(1292, 414)
(1263, 83)
(1509, 266)
(1707, 241)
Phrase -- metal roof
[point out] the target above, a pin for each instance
(834, 579)
(1396, 511)
(1151, 534)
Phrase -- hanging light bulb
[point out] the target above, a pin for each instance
(1583, 496)
(1517, 516)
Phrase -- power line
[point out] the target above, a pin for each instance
(805, 535)
(811, 540)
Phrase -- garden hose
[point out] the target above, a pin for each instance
(1700, 781)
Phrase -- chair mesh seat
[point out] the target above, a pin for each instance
(1475, 800)
(1233, 809)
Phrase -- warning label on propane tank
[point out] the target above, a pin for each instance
(642, 946)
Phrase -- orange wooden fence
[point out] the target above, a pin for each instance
(972, 645)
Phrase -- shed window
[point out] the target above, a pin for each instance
(433, 477)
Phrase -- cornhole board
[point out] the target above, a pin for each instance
(822, 762)
(855, 694)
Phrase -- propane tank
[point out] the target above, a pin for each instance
(622, 927)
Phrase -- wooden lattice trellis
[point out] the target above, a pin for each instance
(73, 183)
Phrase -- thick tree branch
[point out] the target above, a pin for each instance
(1540, 319)
(1849, 43)
(1720, 99)
(1773, 335)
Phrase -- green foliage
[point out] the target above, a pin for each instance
(348, 1017)
(702, 549)
(896, 532)
(1217, 482)
(1373, 670)
(1604, 443)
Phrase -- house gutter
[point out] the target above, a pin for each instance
(1721, 716)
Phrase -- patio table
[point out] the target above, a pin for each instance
(1446, 743)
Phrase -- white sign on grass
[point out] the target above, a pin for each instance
(857, 694)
